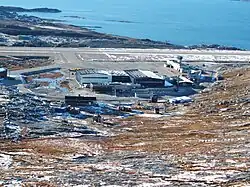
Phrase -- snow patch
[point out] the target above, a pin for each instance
(5, 161)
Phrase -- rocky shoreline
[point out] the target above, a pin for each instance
(31, 31)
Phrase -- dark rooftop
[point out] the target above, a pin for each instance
(135, 73)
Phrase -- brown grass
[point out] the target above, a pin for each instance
(54, 75)
(183, 134)
(65, 84)
(39, 184)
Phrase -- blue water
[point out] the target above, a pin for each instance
(185, 22)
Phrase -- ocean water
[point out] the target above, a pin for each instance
(184, 22)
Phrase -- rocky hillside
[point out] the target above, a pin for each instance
(204, 144)
(210, 139)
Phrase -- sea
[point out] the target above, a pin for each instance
(184, 22)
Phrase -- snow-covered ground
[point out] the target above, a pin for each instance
(5, 161)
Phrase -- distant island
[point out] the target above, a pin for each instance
(120, 21)
(75, 17)
(19, 9)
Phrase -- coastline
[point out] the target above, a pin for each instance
(32, 31)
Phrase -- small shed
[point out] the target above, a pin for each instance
(3, 73)
(183, 99)
(77, 101)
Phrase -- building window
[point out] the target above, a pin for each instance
(94, 77)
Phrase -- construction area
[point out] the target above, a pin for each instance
(24, 62)
(179, 123)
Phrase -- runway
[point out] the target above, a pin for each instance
(119, 59)
(40, 50)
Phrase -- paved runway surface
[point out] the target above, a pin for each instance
(121, 58)
(40, 50)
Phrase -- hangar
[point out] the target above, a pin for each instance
(92, 76)
(146, 79)
(120, 77)
(101, 77)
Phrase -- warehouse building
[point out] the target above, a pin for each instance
(101, 77)
(77, 101)
(120, 77)
(146, 79)
(92, 76)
